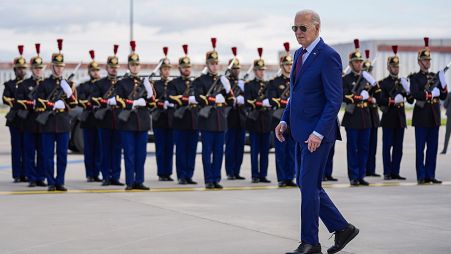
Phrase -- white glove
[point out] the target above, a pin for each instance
(241, 84)
(225, 83)
(240, 100)
(405, 85)
(373, 100)
(192, 100)
(441, 76)
(399, 98)
(139, 102)
(219, 98)
(435, 92)
(59, 104)
(364, 95)
(167, 104)
(266, 103)
(148, 87)
(369, 78)
(112, 101)
(66, 88)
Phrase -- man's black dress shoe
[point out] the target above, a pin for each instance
(238, 177)
(60, 188)
(116, 182)
(255, 180)
(105, 183)
(16, 180)
(282, 184)
(354, 183)
(264, 180)
(290, 183)
(209, 185)
(97, 179)
(363, 182)
(342, 238)
(129, 187)
(32, 184)
(231, 177)
(373, 174)
(330, 178)
(398, 177)
(217, 186)
(305, 248)
(51, 188)
(435, 181)
(140, 187)
(183, 181)
(190, 181)
(24, 179)
(387, 177)
(421, 181)
(41, 183)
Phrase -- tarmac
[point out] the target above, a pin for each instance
(393, 216)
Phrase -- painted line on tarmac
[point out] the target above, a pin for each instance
(238, 188)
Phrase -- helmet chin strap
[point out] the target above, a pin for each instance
(422, 66)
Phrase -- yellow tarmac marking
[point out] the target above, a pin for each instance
(240, 188)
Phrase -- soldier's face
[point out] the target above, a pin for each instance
(37, 72)
(312, 32)
(424, 64)
(165, 72)
(185, 71)
(260, 74)
(57, 70)
(286, 68)
(111, 71)
(394, 70)
(95, 74)
(20, 72)
(213, 67)
(235, 72)
(356, 66)
(134, 68)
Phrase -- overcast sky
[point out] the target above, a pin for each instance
(247, 24)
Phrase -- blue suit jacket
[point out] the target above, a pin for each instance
(315, 95)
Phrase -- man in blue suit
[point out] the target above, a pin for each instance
(311, 114)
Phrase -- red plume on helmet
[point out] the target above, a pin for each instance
(213, 42)
(395, 49)
(185, 48)
(20, 47)
(234, 52)
(115, 48)
(426, 42)
(92, 54)
(38, 48)
(260, 52)
(133, 45)
(356, 43)
(60, 44)
(165, 51)
(367, 53)
(286, 45)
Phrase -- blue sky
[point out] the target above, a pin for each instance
(98, 24)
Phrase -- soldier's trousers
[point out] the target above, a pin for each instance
(392, 140)
(33, 157)
(135, 152)
(357, 150)
(285, 158)
(259, 154)
(212, 153)
(164, 151)
(110, 142)
(185, 152)
(92, 152)
(371, 163)
(48, 149)
(17, 153)
(330, 162)
(426, 137)
(234, 150)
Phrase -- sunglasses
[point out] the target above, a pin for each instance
(302, 28)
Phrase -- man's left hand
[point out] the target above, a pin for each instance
(313, 142)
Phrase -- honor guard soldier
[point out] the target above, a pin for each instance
(258, 121)
(375, 122)
(236, 120)
(25, 98)
(54, 97)
(186, 133)
(278, 95)
(106, 113)
(213, 92)
(162, 116)
(395, 91)
(428, 89)
(88, 123)
(13, 122)
(134, 97)
(358, 85)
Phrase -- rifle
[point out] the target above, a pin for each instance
(356, 89)
(429, 87)
(213, 91)
(23, 113)
(101, 112)
(396, 89)
(124, 115)
(54, 95)
(180, 112)
(284, 96)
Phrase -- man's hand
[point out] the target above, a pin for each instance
(313, 142)
(280, 129)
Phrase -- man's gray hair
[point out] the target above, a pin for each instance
(315, 17)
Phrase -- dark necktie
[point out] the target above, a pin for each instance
(299, 63)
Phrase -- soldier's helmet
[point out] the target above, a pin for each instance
(393, 60)
(165, 61)
(185, 61)
(20, 62)
(36, 61)
(133, 58)
(367, 66)
(287, 59)
(356, 55)
(58, 58)
(113, 61)
(93, 65)
(425, 53)
(212, 56)
(234, 63)
(259, 64)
